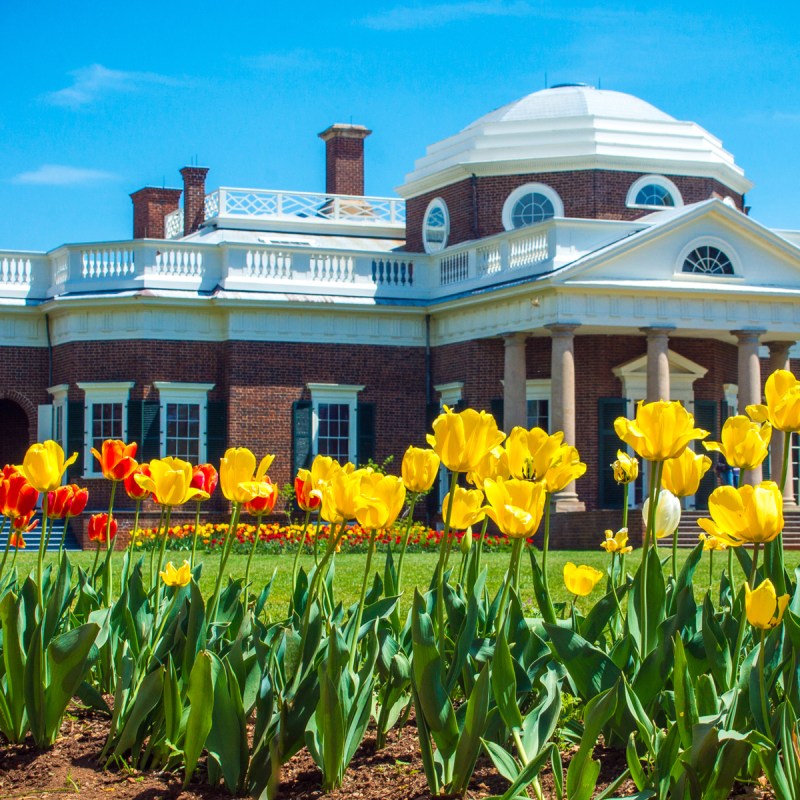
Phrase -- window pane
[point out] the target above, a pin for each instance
(334, 430)
(183, 431)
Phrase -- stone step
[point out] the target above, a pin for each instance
(34, 537)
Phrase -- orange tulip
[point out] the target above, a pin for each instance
(307, 495)
(205, 477)
(97, 528)
(263, 495)
(17, 497)
(66, 501)
(134, 491)
(117, 460)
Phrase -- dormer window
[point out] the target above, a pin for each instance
(653, 192)
(530, 204)
(436, 226)
(708, 260)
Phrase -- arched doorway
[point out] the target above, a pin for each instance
(13, 432)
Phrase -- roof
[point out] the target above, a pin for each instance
(575, 127)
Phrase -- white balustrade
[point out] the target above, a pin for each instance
(454, 268)
(15, 270)
(527, 250)
(173, 224)
(490, 260)
(61, 269)
(274, 264)
(331, 267)
(107, 263)
(392, 272)
(179, 262)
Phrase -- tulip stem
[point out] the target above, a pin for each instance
(63, 536)
(743, 620)
(440, 632)
(96, 559)
(196, 532)
(479, 548)
(730, 574)
(8, 545)
(545, 551)
(297, 556)
(256, 537)
(516, 549)
(406, 535)
(153, 551)
(40, 562)
(773, 551)
(616, 597)
(710, 570)
(131, 542)
(625, 489)
(233, 529)
(360, 609)
(167, 517)
(655, 485)
(763, 688)
(107, 566)
(675, 554)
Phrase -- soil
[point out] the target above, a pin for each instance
(71, 767)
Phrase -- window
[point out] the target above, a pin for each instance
(708, 260)
(184, 411)
(58, 429)
(436, 226)
(334, 420)
(529, 204)
(106, 412)
(537, 392)
(653, 191)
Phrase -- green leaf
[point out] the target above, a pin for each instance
(504, 683)
(198, 723)
(685, 703)
(14, 661)
(717, 648)
(503, 761)
(540, 590)
(469, 741)
(601, 613)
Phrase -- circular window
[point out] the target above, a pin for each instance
(654, 195)
(708, 260)
(436, 226)
(530, 204)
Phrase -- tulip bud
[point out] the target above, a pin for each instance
(466, 541)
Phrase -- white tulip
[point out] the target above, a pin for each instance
(668, 514)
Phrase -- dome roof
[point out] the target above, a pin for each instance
(575, 100)
(575, 127)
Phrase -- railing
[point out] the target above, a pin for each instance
(173, 224)
(15, 270)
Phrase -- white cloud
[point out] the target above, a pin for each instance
(62, 175)
(404, 18)
(93, 82)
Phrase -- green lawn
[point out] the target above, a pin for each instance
(417, 571)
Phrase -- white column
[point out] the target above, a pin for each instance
(562, 401)
(657, 363)
(515, 406)
(779, 359)
(749, 369)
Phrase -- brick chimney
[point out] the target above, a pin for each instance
(150, 206)
(344, 158)
(194, 198)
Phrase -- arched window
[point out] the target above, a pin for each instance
(708, 260)
(530, 204)
(436, 226)
(653, 191)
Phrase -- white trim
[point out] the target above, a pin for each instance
(189, 394)
(539, 389)
(683, 372)
(59, 406)
(96, 393)
(657, 180)
(341, 394)
(709, 241)
(731, 395)
(530, 188)
(435, 247)
(450, 393)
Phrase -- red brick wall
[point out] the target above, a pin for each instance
(150, 205)
(194, 198)
(344, 165)
(24, 381)
(476, 207)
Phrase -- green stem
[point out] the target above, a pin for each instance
(616, 598)
(625, 489)
(440, 632)
(710, 570)
(167, 517)
(545, 551)
(479, 549)
(108, 589)
(233, 527)
(154, 548)
(523, 756)
(774, 559)
(40, 563)
(131, 542)
(730, 575)
(96, 561)
(516, 549)
(8, 545)
(297, 557)
(196, 533)
(743, 620)
(406, 535)
(360, 610)
(655, 490)
(675, 554)
(763, 688)
(256, 537)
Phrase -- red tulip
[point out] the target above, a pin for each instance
(66, 501)
(117, 460)
(97, 527)
(135, 492)
(17, 497)
(263, 501)
(205, 478)
(307, 495)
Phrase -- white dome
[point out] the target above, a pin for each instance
(575, 127)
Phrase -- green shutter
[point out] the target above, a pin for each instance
(216, 431)
(705, 417)
(365, 414)
(151, 430)
(301, 435)
(76, 421)
(497, 406)
(609, 408)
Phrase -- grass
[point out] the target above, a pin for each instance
(417, 571)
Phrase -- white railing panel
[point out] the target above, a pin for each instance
(99, 263)
(173, 224)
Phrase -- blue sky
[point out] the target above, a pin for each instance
(102, 99)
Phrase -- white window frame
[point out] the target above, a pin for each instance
(657, 180)
(709, 241)
(529, 188)
(731, 395)
(96, 393)
(539, 389)
(435, 247)
(58, 394)
(336, 394)
(190, 394)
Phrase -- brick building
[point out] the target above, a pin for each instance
(557, 260)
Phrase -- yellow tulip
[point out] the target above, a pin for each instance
(44, 465)
(668, 514)
(763, 607)
(170, 480)
(569, 468)
(581, 580)
(467, 508)
(782, 409)
(176, 577)
(617, 542)
(341, 498)
(237, 467)
(747, 514)
(323, 468)
(382, 498)
(420, 468)
(661, 430)
(493, 465)
(711, 542)
(532, 453)
(682, 475)
(515, 506)
(626, 468)
(461, 440)
(744, 444)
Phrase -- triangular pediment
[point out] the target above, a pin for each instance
(678, 366)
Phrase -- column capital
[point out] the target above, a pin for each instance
(515, 336)
(780, 346)
(749, 336)
(658, 330)
(562, 328)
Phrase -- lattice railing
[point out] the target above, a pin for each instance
(173, 224)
